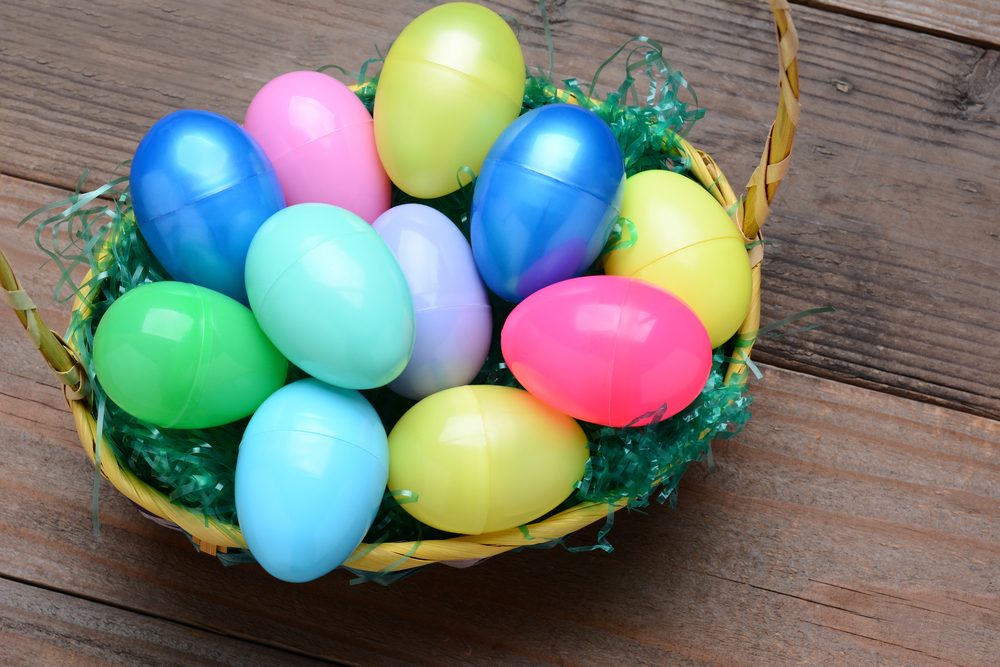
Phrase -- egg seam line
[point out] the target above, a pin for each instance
(321, 435)
(614, 351)
(291, 264)
(211, 194)
(672, 252)
(555, 179)
(486, 458)
(476, 82)
(428, 309)
(288, 152)
(199, 367)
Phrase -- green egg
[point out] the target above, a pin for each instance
(182, 356)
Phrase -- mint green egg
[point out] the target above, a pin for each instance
(329, 294)
(183, 356)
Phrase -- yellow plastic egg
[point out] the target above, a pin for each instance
(452, 81)
(688, 245)
(477, 459)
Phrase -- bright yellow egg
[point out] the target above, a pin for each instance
(452, 81)
(688, 245)
(478, 459)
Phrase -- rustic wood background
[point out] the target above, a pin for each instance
(857, 519)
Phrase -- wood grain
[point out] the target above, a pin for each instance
(43, 627)
(974, 21)
(887, 215)
(845, 526)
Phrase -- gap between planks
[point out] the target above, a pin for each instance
(761, 356)
(965, 21)
(52, 625)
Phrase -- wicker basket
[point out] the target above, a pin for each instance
(749, 212)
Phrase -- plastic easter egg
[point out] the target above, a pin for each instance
(310, 475)
(546, 200)
(201, 187)
(330, 295)
(454, 323)
(483, 458)
(688, 245)
(181, 356)
(452, 81)
(608, 350)
(321, 141)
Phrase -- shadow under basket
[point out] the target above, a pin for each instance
(748, 211)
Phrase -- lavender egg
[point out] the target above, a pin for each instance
(454, 323)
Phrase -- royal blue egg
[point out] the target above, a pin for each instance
(310, 475)
(201, 186)
(547, 197)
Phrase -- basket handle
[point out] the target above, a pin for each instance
(755, 205)
(54, 349)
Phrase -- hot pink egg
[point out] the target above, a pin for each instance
(608, 350)
(321, 141)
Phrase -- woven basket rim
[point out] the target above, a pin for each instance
(212, 535)
(748, 212)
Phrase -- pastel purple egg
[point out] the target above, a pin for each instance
(454, 323)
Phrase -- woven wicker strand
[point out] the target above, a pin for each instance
(749, 213)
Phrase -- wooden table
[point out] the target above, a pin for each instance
(855, 521)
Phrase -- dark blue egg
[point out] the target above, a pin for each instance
(201, 187)
(547, 197)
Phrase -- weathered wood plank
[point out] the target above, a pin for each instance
(975, 21)
(887, 214)
(43, 627)
(845, 526)
(797, 536)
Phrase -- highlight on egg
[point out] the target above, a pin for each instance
(452, 315)
(310, 475)
(182, 356)
(548, 196)
(290, 215)
(483, 458)
(328, 292)
(201, 188)
(608, 350)
(451, 82)
(686, 243)
(321, 140)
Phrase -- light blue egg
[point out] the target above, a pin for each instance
(310, 475)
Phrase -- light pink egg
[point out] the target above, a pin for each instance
(321, 141)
